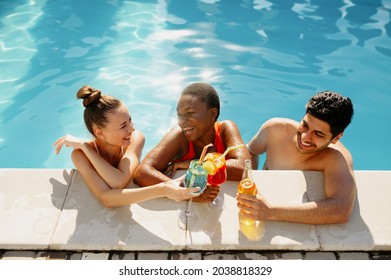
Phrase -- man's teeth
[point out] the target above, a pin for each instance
(304, 144)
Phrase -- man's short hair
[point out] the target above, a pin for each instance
(332, 108)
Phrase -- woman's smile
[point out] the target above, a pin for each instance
(188, 130)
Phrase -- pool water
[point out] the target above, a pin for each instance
(265, 58)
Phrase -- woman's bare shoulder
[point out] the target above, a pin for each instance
(169, 146)
(80, 159)
(138, 134)
(229, 130)
(228, 124)
(174, 134)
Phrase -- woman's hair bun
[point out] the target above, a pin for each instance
(89, 95)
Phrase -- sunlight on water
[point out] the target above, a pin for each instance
(264, 58)
(16, 43)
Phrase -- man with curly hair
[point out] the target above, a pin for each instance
(312, 144)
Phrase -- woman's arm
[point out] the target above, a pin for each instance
(121, 197)
(118, 177)
(132, 154)
(115, 177)
(152, 168)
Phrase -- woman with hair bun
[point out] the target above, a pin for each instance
(108, 162)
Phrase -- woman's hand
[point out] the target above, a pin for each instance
(175, 190)
(173, 167)
(68, 141)
(209, 194)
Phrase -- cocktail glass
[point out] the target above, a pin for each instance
(196, 176)
(217, 177)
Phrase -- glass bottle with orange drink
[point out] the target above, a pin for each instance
(247, 185)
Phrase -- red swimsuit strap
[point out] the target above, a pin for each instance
(218, 143)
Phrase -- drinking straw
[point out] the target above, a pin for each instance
(203, 153)
(230, 149)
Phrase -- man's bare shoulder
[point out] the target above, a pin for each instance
(338, 153)
(279, 124)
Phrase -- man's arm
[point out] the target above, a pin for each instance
(336, 207)
(258, 143)
(340, 186)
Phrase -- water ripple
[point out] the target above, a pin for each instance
(270, 54)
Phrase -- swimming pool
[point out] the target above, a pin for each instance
(264, 58)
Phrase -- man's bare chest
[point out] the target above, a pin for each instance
(286, 157)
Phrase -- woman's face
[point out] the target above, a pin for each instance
(194, 117)
(119, 127)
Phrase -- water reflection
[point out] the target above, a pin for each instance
(267, 54)
(43, 85)
(252, 230)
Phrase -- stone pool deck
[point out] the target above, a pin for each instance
(50, 214)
